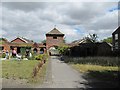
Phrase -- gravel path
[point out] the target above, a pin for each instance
(61, 75)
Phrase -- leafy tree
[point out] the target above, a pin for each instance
(44, 41)
(62, 49)
(108, 40)
(92, 38)
(64, 40)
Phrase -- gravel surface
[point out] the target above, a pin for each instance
(61, 75)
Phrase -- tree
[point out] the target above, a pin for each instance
(62, 49)
(108, 40)
(91, 38)
(64, 40)
(44, 41)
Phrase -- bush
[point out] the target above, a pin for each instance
(62, 49)
(39, 57)
(3, 55)
(104, 61)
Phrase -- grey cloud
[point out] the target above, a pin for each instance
(82, 13)
(33, 20)
(25, 6)
(108, 21)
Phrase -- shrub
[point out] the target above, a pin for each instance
(3, 55)
(39, 57)
(104, 61)
(62, 49)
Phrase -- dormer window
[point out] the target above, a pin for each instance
(54, 37)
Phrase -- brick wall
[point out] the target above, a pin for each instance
(53, 42)
(6, 47)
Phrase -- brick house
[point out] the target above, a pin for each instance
(54, 38)
(116, 40)
(21, 44)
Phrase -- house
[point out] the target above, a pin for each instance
(116, 41)
(82, 48)
(54, 38)
(20, 44)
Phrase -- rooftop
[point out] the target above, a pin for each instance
(117, 30)
(23, 39)
(54, 32)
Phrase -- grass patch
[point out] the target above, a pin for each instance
(40, 75)
(88, 67)
(21, 70)
(109, 73)
(98, 71)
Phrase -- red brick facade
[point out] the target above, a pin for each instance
(54, 38)
(50, 41)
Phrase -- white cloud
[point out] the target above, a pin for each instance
(33, 20)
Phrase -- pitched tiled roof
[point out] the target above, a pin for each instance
(23, 39)
(29, 41)
(54, 32)
(78, 42)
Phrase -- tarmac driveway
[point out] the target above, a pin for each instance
(61, 75)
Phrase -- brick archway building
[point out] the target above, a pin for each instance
(54, 38)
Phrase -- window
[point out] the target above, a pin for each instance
(116, 45)
(54, 37)
(116, 36)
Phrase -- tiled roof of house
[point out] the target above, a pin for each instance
(78, 42)
(23, 39)
(29, 41)
(54, 32)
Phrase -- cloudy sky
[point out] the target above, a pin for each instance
(75, 19)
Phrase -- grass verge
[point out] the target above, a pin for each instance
(40, 75)
(109, 73)
(22, 70)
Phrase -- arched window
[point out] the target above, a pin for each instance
(35, 50)
(41, 50)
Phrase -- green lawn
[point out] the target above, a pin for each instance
(88, 67)
(20, 69)
(107, 73)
